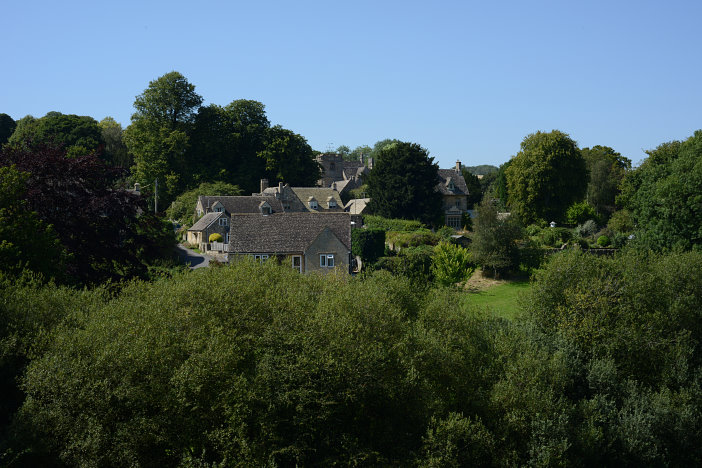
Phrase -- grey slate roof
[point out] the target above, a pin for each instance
(285, 232)
(321, 195)
(459, 183)
(357, 205)
(204, 222)
(241, 204)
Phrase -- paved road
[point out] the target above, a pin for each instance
(192, 258)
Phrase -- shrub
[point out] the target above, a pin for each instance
(369, 244)
(603, 241)
(533, 230)
(215, 237)
(404, 239)
(580, 212)
(555, 237)
(378, 222)
(621, 222)
(451, 264)
(587, 229)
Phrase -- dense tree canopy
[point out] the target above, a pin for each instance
(403, 182)
(495, 237)
(158, 136)
(27, 244)
(115, 152)
(79, 135)
(289, 159)
(104, 229)
(7, 128)
(606, 168)
(545, 177)
(664, 196)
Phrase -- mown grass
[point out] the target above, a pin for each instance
(501, 300)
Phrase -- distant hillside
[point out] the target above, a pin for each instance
(483, 169)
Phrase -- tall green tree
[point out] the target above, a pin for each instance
(289, 158)
(475, 193)
(495, 239)
(7, 127)
(403, 182)
(115, 150)
(355, 155)
(545, 177)
(664, 196)
(158, 136)
(607, 169)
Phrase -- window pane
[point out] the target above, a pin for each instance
(330, 260)
(322, 260)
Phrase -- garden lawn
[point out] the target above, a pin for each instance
(501, 299)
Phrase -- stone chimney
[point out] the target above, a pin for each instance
(333, 186)
(264, 184)
(280, 188)
(137, 188)
(458, 166)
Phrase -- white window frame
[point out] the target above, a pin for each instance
(326, 260)
(332, 203)
(453, 221)
(297, 267)
(223, 222)
(314, 205)
(261, 257)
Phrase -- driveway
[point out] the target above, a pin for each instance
(192, 258)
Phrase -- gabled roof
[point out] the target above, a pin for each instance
(206, 221)
(357, 205)
(241, 204)
(318, 193)
(285, 232)
(459, 183)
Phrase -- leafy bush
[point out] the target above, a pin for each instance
(555, 237)
(621, 222)
(603, 241)
(533, 230)
(378, 222)
(451, 264)
(587, 229)
(413, 263)
(580, 212)
(402, 239)
(215, 237)
(369, 244)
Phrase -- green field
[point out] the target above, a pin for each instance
(500, 300)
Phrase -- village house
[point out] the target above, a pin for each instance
(310, 241)
(454, 190)
(215, 213)
(346, 175)
(303, 199)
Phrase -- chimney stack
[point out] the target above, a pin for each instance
(458, 166)
(280, 188)
(264, 185)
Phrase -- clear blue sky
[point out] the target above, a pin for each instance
(467, 80)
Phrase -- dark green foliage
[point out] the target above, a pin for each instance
(664, 196)
(369, 244)
(78, 135)
(482, 169)
(475, 193)
(413, 263)
(7, 127)
(494, 245)
(402, 184)
(545, 177)
(378, 222)
(105, 230)
(607, 169)
(182, 209)
(289, 159)
(115, 152)
(26, 242)
(621, 222)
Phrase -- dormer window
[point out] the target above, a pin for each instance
(265, 208)
(450, 185)
(331, 202)
(217, 207)
(312, 203)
